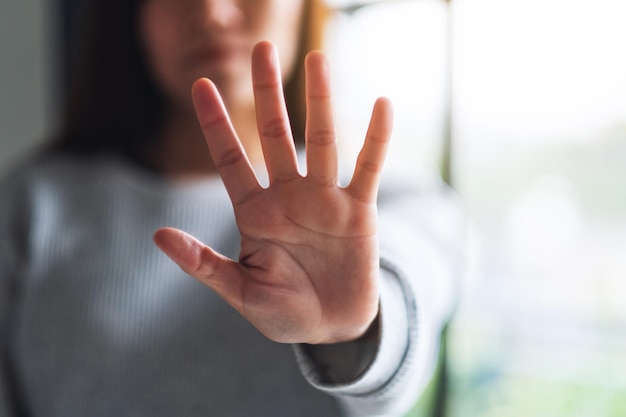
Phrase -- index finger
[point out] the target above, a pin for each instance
(226, 150)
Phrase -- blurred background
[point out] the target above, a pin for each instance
(532, 96)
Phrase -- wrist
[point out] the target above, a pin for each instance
(345, 361)
(372, 333)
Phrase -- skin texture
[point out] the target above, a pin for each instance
(308, 266)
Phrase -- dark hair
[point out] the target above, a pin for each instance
(115, 105)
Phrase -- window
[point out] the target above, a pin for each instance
(539, 105)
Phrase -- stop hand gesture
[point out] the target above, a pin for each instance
(308, 266)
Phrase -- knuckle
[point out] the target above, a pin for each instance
(378, 138)
(322, 137)
(206, 266)
(210, 124)
(229, 157)
(320, 97)
(267, 85)
(360, 196)
(370, 167)
(325, 180)
(274, 128)
(283, 178)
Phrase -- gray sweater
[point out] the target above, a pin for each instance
(96, 321)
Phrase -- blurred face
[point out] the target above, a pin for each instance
(188, 39)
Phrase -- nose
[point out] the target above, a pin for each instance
(216, 15)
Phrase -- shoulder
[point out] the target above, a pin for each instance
(18, 190)
(43, 178)
(18, 180)
(58, 172)
(40, 167)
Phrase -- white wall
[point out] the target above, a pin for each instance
(27, 50)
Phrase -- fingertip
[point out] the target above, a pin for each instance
(206, 100)
(264, 49)
(263, 45)
(162, 236)
(180, 247)
(266, 66)
(170, 239)
(200, 81)
(384, 104)
(316, 57)
(201, 86)
(316, 65)
(384, 101)
(383, 112)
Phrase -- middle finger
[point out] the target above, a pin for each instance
(271, 113)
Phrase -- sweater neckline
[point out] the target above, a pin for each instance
(148, 182)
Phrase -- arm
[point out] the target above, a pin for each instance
(310, 271)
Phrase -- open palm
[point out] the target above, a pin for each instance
(308, 266)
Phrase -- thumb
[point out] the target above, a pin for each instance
(201, 262)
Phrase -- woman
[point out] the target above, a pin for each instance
(336, 300)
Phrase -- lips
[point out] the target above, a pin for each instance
(214, 54)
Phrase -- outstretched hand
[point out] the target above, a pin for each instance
(308, 266)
